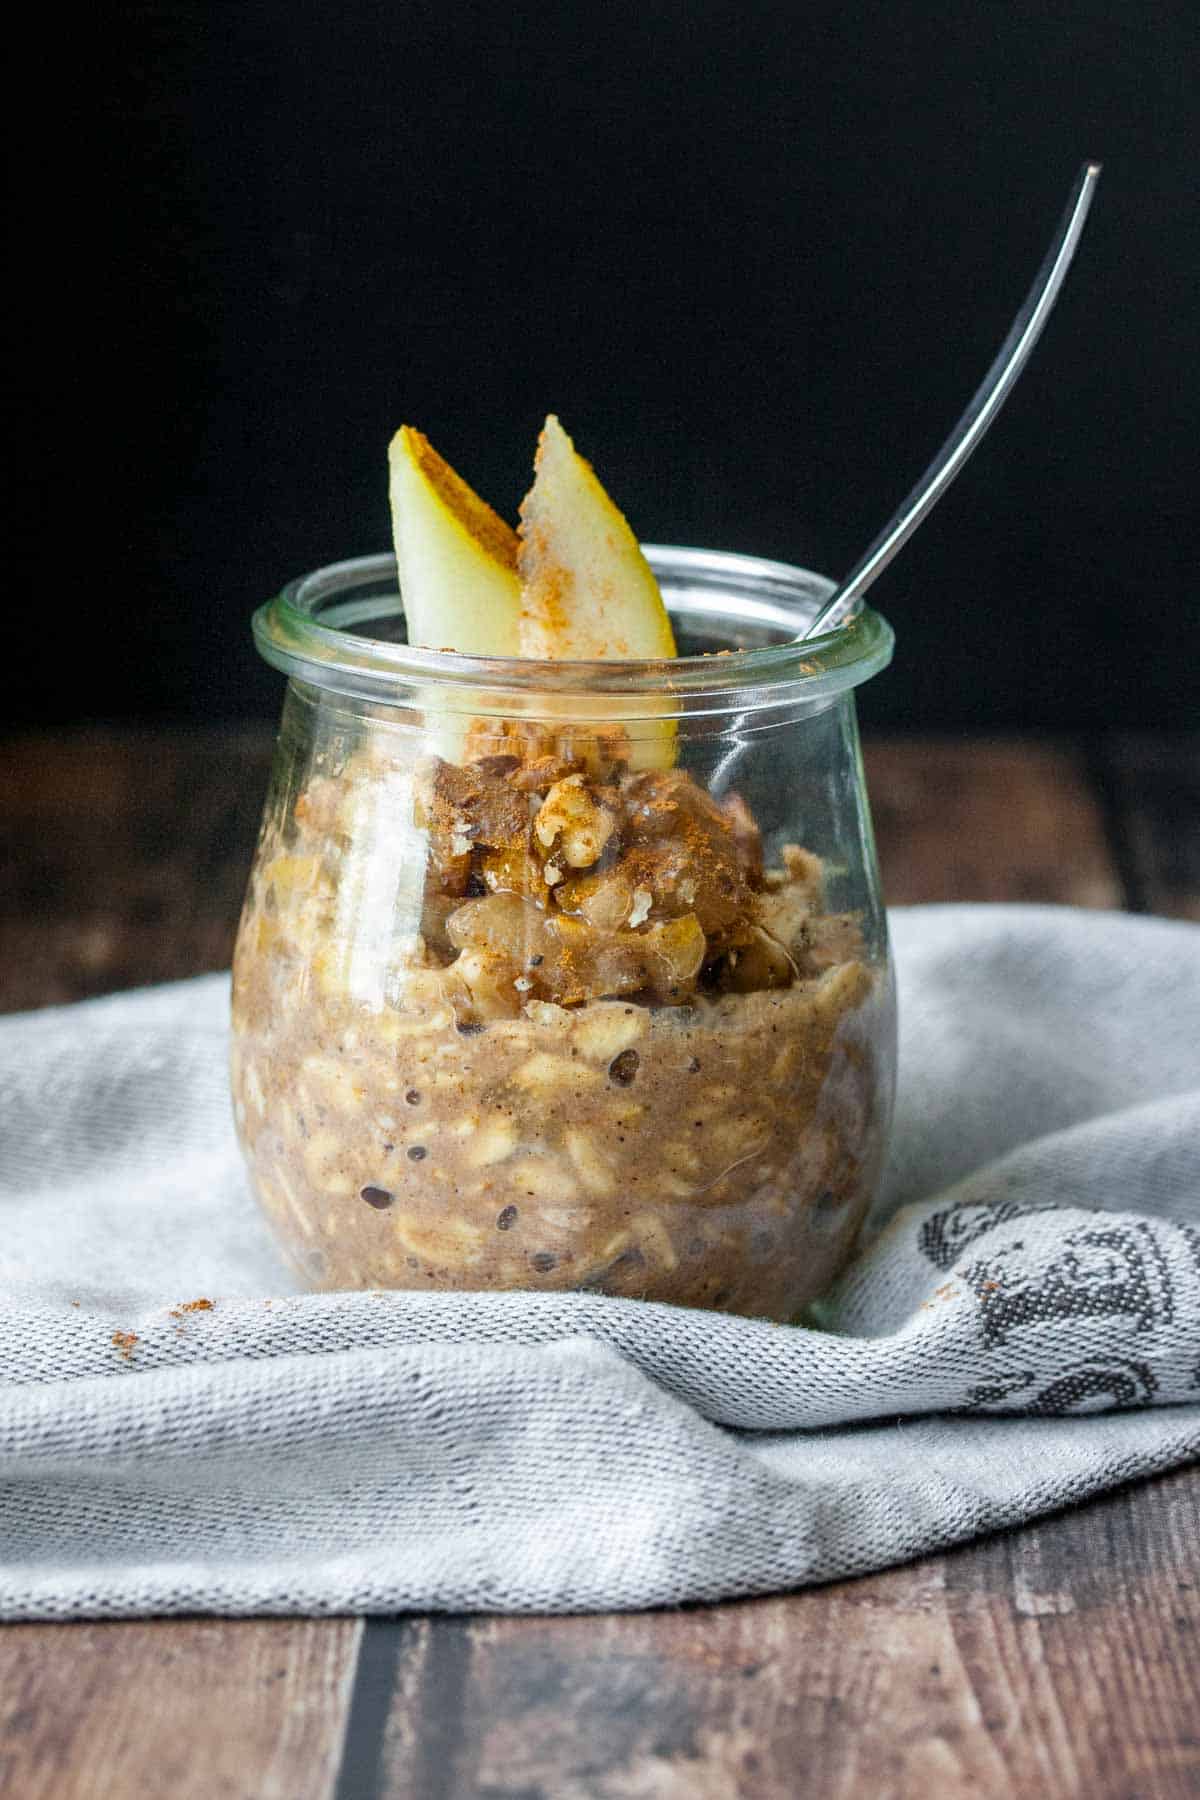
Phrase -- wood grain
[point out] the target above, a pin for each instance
(1152, 787)
(988, 821)
(1058, 1661)
(123, 857)
(190, 1708)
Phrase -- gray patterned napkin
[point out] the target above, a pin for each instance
(1021, 1329)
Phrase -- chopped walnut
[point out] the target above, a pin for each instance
(583, 880)
(684, 851)
(499, 766)
(540, 775)
(573, 823)
(545, 755)
(463, 808)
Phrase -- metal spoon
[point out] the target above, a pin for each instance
(980, 413)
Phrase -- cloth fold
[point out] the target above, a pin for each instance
(182, 1430)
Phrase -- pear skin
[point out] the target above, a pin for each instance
(586, 589)
(456, 558)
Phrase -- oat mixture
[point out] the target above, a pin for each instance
(534, 1017)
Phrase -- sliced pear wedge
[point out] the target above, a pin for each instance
(575, 585)
(586, 589)
(457, 559)
(587, 592)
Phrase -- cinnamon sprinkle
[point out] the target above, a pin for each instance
(191, 1306)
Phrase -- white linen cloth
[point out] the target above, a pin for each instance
(1021, 1330)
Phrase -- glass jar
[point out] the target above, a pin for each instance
(568, 976)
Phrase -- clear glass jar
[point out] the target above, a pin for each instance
(568, 976)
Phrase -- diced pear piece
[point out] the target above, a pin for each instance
(586, 589)
(457, 559)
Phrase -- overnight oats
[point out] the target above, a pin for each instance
(563, 971)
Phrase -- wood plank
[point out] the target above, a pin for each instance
(1152, 785)
(1058, 1660)
(123, 857)
(1002, 820)
(1093, 1665)
(249, 1709)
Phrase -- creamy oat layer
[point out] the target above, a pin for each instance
(538, 1019)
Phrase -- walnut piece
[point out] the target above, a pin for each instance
(557, 875)
(573, 824)
(462, 808)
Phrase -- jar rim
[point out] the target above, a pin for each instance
(293, 635)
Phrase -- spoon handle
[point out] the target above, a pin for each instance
(980, 412)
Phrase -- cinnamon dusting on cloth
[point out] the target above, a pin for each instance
(191, 1306)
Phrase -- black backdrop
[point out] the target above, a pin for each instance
(755, 254)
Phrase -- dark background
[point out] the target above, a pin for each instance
(756, 255)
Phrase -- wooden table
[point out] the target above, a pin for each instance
(1058, 1660)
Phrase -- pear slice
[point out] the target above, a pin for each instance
(586, 589)
(456, 558)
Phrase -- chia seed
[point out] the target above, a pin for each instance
(377, 1197)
